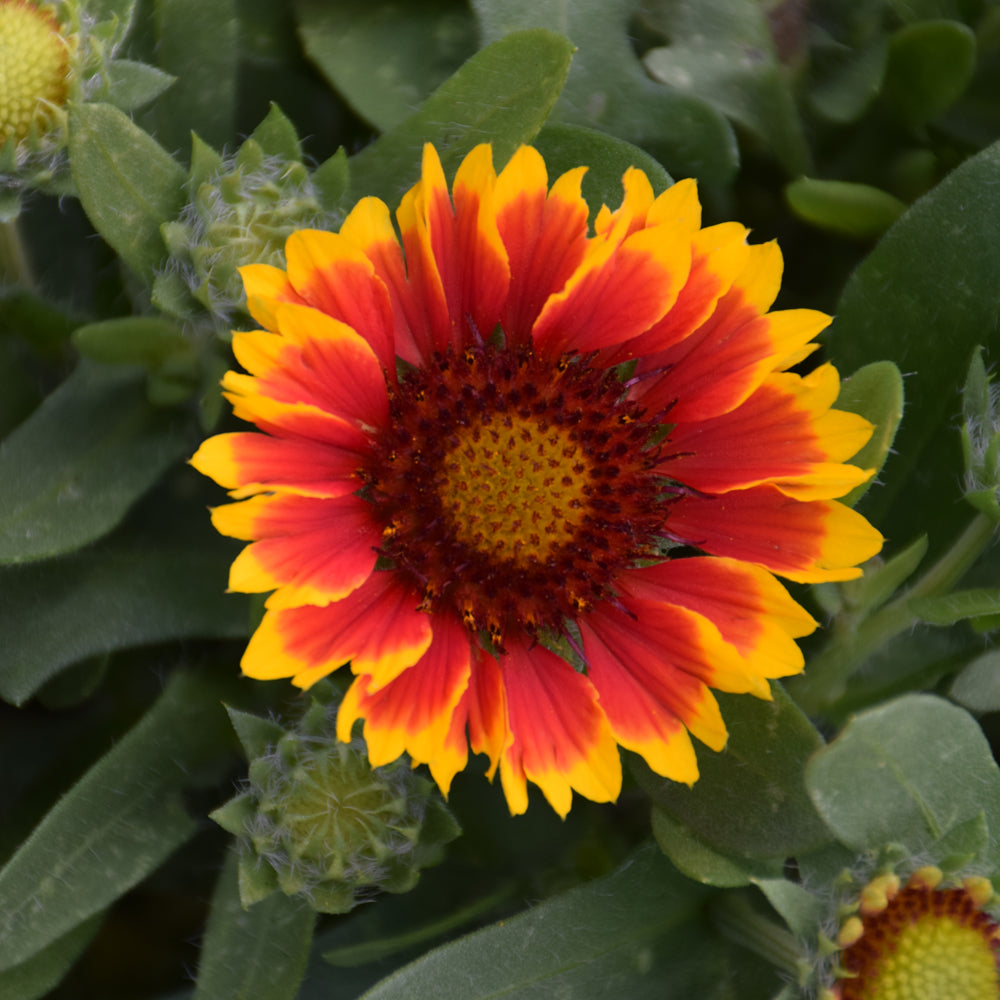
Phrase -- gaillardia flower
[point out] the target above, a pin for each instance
(534, 482)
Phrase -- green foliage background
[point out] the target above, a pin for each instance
(863, 134)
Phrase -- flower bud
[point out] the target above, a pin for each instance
(317, 821)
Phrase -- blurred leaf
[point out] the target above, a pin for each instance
(131, 340)
(930, 65)
(875, 392)
(502, 94)
(196, 43)
(800, 909)
(856, 210)
(977, 687)
(750, 801)
(921, 10)
(629, 934)
(926, 767)
(41, 973)
(117, 824)
(128, 184)
(957, 606)
(722, 52)
(383, 56)
(260, 952)
(608, 88)
(692, 857)
(606, 159)
(70, 472)
(333, 179)
(161, 577)
(843, 92)
(883, 579)
(131, 84)
(928, 274)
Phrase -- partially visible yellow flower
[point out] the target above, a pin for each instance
(926, 941)
(34, 69)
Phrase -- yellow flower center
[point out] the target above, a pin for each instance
(926, 944)
(34, 68)
(515, 489)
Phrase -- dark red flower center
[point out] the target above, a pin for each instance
(513, 490)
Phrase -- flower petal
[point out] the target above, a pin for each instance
(377, 627)
(246, 463)
(265, 288)
(752, 611)
(336, 277)
(307, 550)
(545, 235)
(785, 434)
(808, 542)
(413, 713)
(560, 738)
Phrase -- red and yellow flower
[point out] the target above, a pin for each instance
(532, 480)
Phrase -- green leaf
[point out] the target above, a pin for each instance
(883, 579)
(70, 472)
(750, 801)
(384, 57)
(856, 210)
(634, 928)
(161, 577)
(197, 43)
(121, 820)
(132, 84)
(692, 857)
(502, 94)
(333, 179)
(609, 89)
(722, 52)
(927, 275)
(876, 393)
(132, 340)
(977, 687)
(41, 973)
(260, 952)
(906, 772)
(606, 158)
(957, 606)
(801, 910)
(128, 184)
(843, 92)
(930, 65)
(277, 136)
(256, 735)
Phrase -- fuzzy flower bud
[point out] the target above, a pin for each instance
(981, 438)
(317, 821)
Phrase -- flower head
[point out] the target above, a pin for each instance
(34, 69)
(925, 941)
(533, 481)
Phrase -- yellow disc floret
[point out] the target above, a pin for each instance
(34, 69)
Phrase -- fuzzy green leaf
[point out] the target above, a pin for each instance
(750, 801)
(606, 159)
(120, 821)
(977, 686)
(260, 952)
(277, 136)
(70, 472)
(635, 928)
(957, 606)
(924, 277)
(906, 772)
(133, 84)
(503, 94)
(128, 184)
(41, 973)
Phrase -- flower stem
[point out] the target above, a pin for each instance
(829, 672)
(15, 271)
(737, 920)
